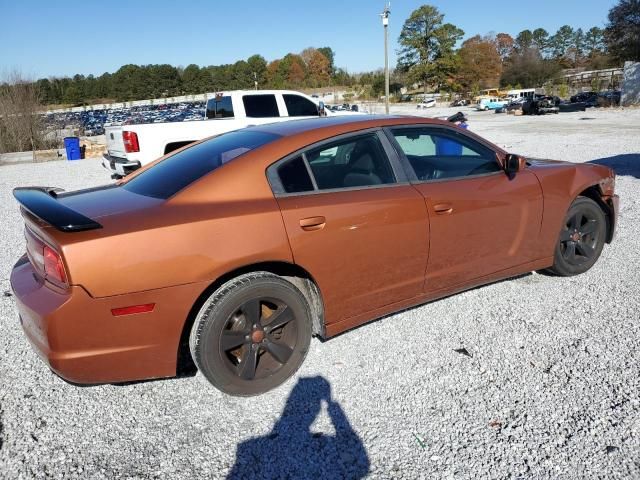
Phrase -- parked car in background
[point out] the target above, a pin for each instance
(427, 103)
(610, 98)
(133, 146)
(239, 248)
(590, 99)
(491, 103)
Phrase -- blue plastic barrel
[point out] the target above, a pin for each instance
(72, 146)
(449, 147)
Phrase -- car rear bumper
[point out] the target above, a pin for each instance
(83, 342)
(119, 166)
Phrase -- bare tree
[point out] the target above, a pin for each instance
(21, 124)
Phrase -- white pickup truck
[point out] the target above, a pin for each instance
(131, 146)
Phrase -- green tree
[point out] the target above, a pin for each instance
(540, 40)
(426, 47)
(191, 79)
(594, 41)
(45, 93)
(258, 66)
(330, 55)
(622, 34)
(562, 41)
(524, 40)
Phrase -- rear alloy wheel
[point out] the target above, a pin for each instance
(581, 238)
(252, 334)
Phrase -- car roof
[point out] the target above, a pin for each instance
(341, 124)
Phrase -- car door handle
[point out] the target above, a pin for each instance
(312, 223)
(443, 208)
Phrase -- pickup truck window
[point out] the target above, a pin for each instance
(298, 106)
(260, 106)
(172, 174)
(220, 108)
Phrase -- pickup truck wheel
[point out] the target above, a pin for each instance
(251, 334)
(581, 238)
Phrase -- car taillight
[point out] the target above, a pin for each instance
(130, 141)
(53, 266)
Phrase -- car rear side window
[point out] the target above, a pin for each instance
(294, 176)
(220, 107)
(179, 170)
(298, 106)
(260, 106)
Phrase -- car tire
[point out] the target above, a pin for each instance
(581, 238)
(235, 343)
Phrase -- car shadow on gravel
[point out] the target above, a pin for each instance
(291, 450)
(626, 164)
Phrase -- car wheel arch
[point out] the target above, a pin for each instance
(594, 193)
(291, 272)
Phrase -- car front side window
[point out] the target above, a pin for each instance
(436, 154)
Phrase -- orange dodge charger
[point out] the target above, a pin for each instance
(235, 250)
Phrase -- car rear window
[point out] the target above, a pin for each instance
(171, 175)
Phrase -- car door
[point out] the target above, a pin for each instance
(481, 220)
(354, 222)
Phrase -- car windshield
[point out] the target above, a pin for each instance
(171, 175)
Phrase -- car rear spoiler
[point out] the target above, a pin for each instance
(43, 203)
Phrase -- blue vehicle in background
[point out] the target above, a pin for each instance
(491, 103)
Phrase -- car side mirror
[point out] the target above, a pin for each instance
(513, 164)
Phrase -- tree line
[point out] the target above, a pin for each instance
(311, 68)
(430, 57)
(428, 54)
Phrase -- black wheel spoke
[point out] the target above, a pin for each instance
(576, 221)
(280, 318)
(251, 310)
(565, 235)
(249, 363)
(279, 351)
(584, 250)
(232, 339)
(589, 227)
(570, 252)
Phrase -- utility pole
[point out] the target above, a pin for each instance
(255, 80)
(385, 23)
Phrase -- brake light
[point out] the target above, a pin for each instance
(53, 266)
(130, 141)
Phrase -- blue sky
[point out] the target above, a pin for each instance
(57, 38)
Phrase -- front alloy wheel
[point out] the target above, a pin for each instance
(581, 238)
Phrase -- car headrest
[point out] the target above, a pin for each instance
(364, 162)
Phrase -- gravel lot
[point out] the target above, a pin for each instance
(536, 377)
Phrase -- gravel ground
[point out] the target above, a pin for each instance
(535, 377)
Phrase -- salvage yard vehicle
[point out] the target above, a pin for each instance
(240, 248)
(132, 146)
(427, 103)
(491, 104)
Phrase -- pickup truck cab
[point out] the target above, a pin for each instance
(131, 146)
